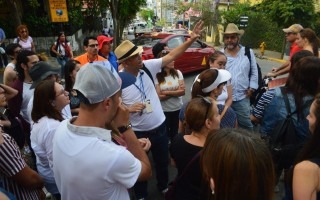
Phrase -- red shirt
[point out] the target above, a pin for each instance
(294, 49)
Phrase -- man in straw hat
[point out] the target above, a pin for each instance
(86, 163)
(146, 114)
(244, 76)
(291, 36)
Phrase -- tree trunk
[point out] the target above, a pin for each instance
(14, 11)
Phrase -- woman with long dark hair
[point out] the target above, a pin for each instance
(306, 173)
(308, 40)
(49, 100)
(237, 165)
(71, 69)
(63, 50)
(170, 88)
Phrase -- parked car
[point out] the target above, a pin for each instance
(195, 58)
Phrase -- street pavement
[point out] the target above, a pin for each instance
(271, 59)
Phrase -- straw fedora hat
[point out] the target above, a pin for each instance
(125, 50)
(232, 28)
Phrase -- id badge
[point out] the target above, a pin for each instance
(148, 106)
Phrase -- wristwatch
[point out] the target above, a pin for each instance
(123, 129)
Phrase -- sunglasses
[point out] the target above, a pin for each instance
(24, 31)
(207, 102)
(93, 45)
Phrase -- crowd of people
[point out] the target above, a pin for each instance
(89, 136)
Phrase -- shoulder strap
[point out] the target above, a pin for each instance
(286, 101)
(247, 53)
(148, 72)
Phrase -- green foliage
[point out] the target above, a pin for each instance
(162, 22)
(287, 12)
(146, 13)
(233, 15)
(260, 28)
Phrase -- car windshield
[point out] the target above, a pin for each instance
(145, 41)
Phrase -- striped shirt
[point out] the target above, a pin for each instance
(11, 163)
(258, 110)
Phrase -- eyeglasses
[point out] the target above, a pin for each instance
(93, 45)
(208, 103)
(232, 37)
(24, 31)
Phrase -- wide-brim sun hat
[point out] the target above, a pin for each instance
(233, 29)
(41, 71)
(126, 50)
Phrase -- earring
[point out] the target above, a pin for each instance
(212, 192)
(53, 103)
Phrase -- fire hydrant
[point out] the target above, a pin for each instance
(262, 47)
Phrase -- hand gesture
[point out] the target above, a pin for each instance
(196, 32)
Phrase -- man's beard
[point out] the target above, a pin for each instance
(232, 45)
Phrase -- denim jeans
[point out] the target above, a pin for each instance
(242, 109)
(62, 61)
(160, 153)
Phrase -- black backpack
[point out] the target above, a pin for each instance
(261, 83)
(284, 140)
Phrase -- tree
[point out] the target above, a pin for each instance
(287, 12)
(146, 13)
(123, 12)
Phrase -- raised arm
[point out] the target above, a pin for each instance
(176, 52)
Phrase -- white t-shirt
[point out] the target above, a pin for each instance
(24, 44)
(224, 95)
(171, 83)
(61, 49)
(26, 96)
(11, 65)
(88, 165)
(66, 111)
(41, 142)
(142, 91)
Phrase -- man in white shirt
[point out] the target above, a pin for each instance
(146, 114)
(87, 164)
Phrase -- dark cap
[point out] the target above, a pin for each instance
(41, 71)
(158, 48)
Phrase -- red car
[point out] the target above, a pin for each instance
(195, 58)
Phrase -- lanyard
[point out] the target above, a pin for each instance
(141, 88)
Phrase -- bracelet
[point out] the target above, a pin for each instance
(123, 129)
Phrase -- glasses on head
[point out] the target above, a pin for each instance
(93, 45)
(232, 37)
(208, 102)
